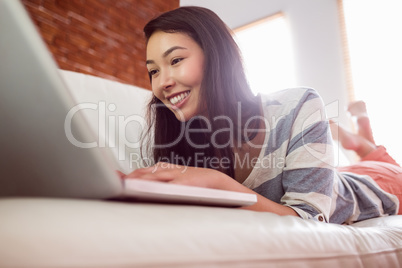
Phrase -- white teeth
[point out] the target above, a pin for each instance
(179, 98)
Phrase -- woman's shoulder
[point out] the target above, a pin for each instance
(291, 98)
(295, 94)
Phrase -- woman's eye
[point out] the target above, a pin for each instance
(152, 72)
(176, 60)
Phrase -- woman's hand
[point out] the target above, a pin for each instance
(204, 177)
(171, 173)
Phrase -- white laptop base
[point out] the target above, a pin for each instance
(174, 193)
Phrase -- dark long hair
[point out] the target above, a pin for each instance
(224, 86)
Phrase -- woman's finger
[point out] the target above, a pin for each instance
(161, 175)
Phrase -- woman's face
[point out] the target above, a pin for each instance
(176, 64)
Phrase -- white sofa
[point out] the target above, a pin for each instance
(45, 232)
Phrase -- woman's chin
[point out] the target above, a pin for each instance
(184, 116)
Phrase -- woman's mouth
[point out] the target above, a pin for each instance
(179, 98)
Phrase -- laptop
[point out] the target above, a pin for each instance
(37, 159)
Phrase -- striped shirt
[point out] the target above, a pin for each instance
(296, 165)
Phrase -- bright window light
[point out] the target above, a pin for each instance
(375, 47)
(267, 53)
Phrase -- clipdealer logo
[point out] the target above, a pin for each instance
(112, 131)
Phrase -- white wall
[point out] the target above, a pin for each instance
(316, 35)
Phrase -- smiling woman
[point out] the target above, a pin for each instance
(196, 72)
(209, 130)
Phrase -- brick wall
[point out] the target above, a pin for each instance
(98, 37)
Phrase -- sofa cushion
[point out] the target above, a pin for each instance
(81, 233)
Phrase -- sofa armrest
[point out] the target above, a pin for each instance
(115, 112)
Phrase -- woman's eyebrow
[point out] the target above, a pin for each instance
(166, 53)
(170, 50)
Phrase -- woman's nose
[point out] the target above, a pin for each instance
(166, 81)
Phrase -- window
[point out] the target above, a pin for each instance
(267, 53)
(373, 30)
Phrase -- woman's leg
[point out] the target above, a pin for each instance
(375, 161)
(363, 142)
(351, 141)
(358, 110)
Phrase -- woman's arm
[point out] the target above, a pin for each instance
(302, 139)
(207, 178)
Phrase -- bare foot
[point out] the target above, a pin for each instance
(357, 108)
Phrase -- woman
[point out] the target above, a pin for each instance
(211, 131)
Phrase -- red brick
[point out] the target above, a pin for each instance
(51, 7)
(77, 58)
(78, 41)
